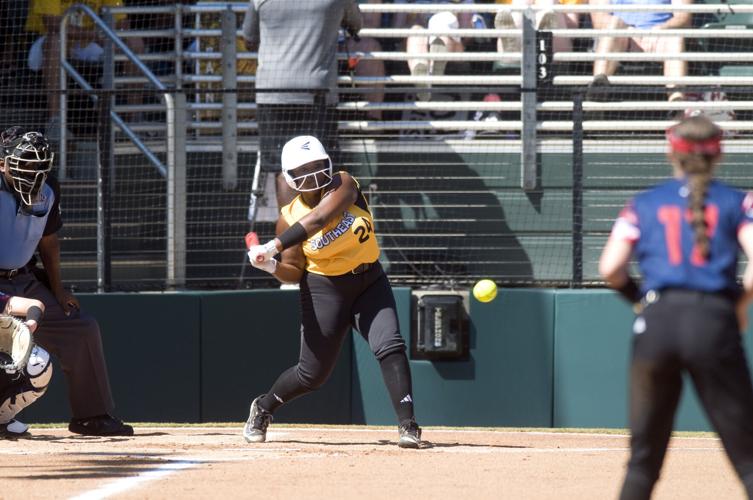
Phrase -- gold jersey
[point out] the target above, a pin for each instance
(343, 244)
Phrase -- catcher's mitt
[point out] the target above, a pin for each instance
(15, 344)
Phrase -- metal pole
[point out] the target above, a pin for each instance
(528, 178)
(178, 45)
(229, 100)
(176, 192)
(62, 150)
(105, 141)
(577, 188)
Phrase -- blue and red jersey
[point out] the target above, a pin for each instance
(657, 222)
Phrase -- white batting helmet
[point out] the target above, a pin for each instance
(299, 151)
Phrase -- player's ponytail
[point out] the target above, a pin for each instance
(696, 146)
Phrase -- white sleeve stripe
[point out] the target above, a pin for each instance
(625, 230)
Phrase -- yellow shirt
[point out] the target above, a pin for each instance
(40, 8)
(343, 244)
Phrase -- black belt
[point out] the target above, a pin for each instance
(362, 268)
(731, 295)
(12, 273)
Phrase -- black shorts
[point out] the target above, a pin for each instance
(278, 123)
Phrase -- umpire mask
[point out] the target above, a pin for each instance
(304, 150)
(28, 160)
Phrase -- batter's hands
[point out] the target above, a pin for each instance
(67, 301)
(262, 253)
(269, 266)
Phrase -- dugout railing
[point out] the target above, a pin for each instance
(456, 198)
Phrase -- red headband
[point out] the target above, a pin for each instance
(679, 144)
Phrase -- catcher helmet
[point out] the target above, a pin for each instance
(28, 159)
(299, 152)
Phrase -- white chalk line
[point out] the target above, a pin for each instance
(128, 483)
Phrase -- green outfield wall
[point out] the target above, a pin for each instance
(537, 358)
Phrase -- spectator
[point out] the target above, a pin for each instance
(13, 14)
(640, 20)
(418, 45)
(545, 20)
(44, 20)
(297, 49)
(30, 215)
(368, 67)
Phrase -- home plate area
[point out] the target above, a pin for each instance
(347, 462)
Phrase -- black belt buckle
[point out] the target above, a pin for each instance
(9, 273)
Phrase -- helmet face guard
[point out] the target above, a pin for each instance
(297, 155)
(297, 180)
(28, 160)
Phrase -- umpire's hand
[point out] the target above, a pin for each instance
(67, 301)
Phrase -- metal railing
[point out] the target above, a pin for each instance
(175, 145)
(232, 130)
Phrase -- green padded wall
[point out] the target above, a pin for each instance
(591, 349)
(538, 358)
(592, 337)
(151, 344)
(506, 382)
(248, 339)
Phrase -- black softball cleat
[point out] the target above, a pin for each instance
(410, 435)
(100, 425)
(255, 430)
(14, 430)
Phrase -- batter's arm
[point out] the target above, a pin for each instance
(293, 261)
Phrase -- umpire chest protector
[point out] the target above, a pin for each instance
(21, 228)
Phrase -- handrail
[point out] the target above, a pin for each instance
(563, 32)
(66, 67)
(174, 172)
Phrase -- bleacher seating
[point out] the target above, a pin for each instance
(422, 162)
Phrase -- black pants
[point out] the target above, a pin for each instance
(697, 333)
(77, 343)
(330, 307)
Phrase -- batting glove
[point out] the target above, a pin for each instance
(263, 252)
(269, 266)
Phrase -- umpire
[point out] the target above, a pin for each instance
(29, 222)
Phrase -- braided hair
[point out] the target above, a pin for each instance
(696, 145)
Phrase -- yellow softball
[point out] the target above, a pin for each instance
(485, 290)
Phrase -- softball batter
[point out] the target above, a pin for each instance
(684, 234)
(327, 241)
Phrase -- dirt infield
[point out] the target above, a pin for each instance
(347, 462)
